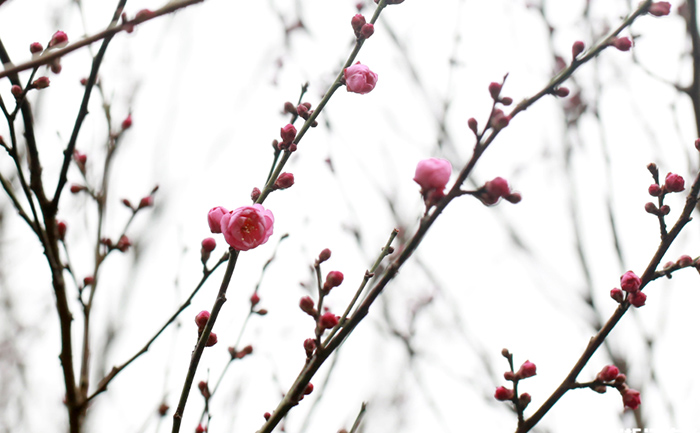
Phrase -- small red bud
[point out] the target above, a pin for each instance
(146, 202)
(88, 281)
(309, 347)
(254, 300)
(473, 125)
(289, 108)
(77, 188)
(307, 305)
(367, 30)
(288, 133)
(35, 48)
(201, 319)
(561, 92)
(655, 190)
(212, 340)
(328, 321)
(309, 389)
(284, 181)
(638, 299)
(608, 373)
(41, 83)
(333, 279)
(504, 394)
(495, 90)
(126, 123)
(255, 194)
(16, 91)
(208, 244)
(651, 208)
(267, 416)
(58, 40)
(577, 48)
(325, 255)
(622, 44)
(506, 100)
(61, 228)
(664, 210)
(123, 244)
(684, 261)
(617, 295)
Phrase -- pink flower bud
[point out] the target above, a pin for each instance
(360, 79)
(509, 375)
(16, 91)
(631, 398)
(307, 305)
(58, 40)
(684, 261)
(309, 389)
(328, 321)
(561, 92)
(499, 120)
(495, 90)
(254, 300)
(61, 228)
(200, 429)
(504, 394)
(659, 9)
(608, 373)
(664, 210)
(528, 369)
(123, 244)
(630, 282)
(514, 197)
(333, 279)
(473, 125)
(80, 158)
(302, 111)
(524, 400)
(88, 281)
(655, 190)
(617, 295)
(284, 181)
(367, 30)
(674, 183)
(309, 346)
(497, 187)
(697, 144)
(255, 194)
(620, 379)
(143, 14)
(433, 173)
(77, 188)
(357, 22)
(288, 133)
(126, 123)
(638, 299)
(36, 48)
(325, 255)
(622, 44)
(41, 83)
(146, 202)
(204, 389)
(651, 208)
(201, 319)
(208, 244)
(211, 340)
(247, 227)
(214, 218)
(506, 100)
(577, 48)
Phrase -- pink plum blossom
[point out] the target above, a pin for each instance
(433, 173)
(247, 227)
(214, 218)
(359, 79)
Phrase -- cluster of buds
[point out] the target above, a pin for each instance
(361, 27)
(630, 283)
(499, 119)
(201, 320)
(302, 110)
(526, 370)
(610, 376)
(494, 190)
(672, 183)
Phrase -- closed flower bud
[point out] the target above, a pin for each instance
(288, 133)
(659, 9)
(655, 190)
(651, 208)
(499, 120)
(495, 90)
(608, 373)
(77, 188)
(562, 92)
(61, 228)
(209, 244)
(211, 340)
(333, 279)
(126, 123)
(309, 347)
(504, 394)
(123, 244)
(664, 210)
(684, 261)
(638, 299)
(617, 295)
(201, 319)
(254, 300)
(146, 202)
(328, 321)
(41, 83)
(284, 181)
(357, 22)
(528, 369)
(214, 218)
(577, 48)
(514, 197)
(255, 194)
(524, 400)
(509, 375)
(325, 255)
(367, 30)
(674, 183)
(506, 100)
(309, 389)
(58, 40)
(359, 79)
(631, 398)
(622, 44)
(289, 108)
(473, 125)
(16, 91)
(630, 282)
(88, 281)
(35, 48)
(497, 187)
(307, 305)
(204, 389)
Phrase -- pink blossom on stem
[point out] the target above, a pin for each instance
(214, 218)
(360, 79)
(674, 183)
(630, 282)
(247, 227)
(504, 394)
(608, 373)
(659, 9)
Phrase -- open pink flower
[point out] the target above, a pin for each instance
(359, 79)
(247, 227)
